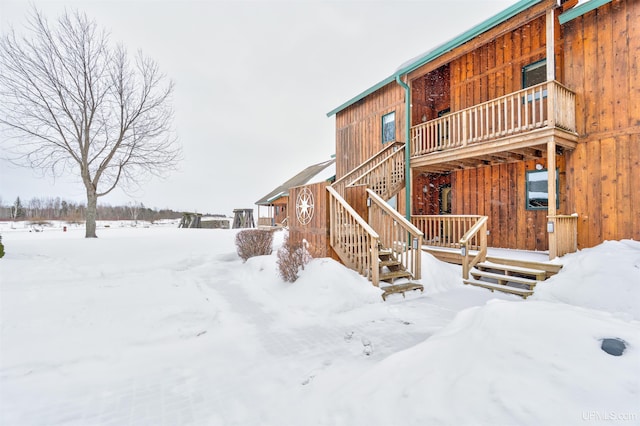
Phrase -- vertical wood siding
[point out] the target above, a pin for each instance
(602, 66)
(495, 69)
(316, 232)
(499, 192)
(359, 127)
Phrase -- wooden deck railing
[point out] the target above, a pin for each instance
(355, 242)
(397, 234)
(566, 233)
(446, 230)
(478, 234)
(266, 221)
(386, 178)
(365, 167)
(508, 115)
(464, 232)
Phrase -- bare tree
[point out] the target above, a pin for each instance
(72, 103)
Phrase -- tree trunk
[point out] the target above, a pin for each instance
(91, 213)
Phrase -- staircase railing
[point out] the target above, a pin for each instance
(464, 232)
(387, 177)
(365, 167)
(354, 241)
(397, 234)
(475, 233)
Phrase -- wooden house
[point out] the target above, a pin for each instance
(521, 133)
(273, 207)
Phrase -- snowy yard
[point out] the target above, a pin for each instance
(164, 326)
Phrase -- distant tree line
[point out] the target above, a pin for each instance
(55, 208)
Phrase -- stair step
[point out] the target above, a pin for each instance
(400, 288)
(504, 288)
(538, 273)
(502, 279)
(389, 263)
(391, 275)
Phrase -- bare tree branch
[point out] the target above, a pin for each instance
(71, 103)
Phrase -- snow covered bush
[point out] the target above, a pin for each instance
(254, 242)
(291, 259)
(1, 247)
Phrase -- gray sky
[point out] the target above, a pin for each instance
(254, 81)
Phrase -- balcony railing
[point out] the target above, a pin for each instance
(548, 104)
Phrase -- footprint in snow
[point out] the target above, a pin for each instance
(368, 347)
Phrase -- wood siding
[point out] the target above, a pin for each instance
(602, 66)
(359, 127)
(489, 71)
(316, 232)
(499, 192)
(597, 56)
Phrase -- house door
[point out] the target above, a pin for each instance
(432, 194)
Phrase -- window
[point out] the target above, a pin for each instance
(389, 127)
(534, 73)
(538, 190)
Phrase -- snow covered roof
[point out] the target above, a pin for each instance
(316, 173)
(580, 9)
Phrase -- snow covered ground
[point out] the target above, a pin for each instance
(153, 325)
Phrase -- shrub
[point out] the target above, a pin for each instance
(1, 247)
(291, 259)
(254, 242)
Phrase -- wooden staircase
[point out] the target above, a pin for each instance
(367, 234)
(510, 276)
(392, 269)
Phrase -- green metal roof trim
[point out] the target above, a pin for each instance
(508, 13)
(581, 10)
(362, 95)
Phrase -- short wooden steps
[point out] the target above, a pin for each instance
(550, 268)
(511, 276)
(391, 276)
(500, 287)
(391, 269)
(512, 270)
(401, 288)
(503, 279)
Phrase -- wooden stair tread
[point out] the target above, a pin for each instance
(550, 268)
(502, 277)
(504, 288)
(400, 288)
(394, 274)
(538, 273)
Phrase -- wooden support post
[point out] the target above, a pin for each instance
(551, 59)
(551, 190)
(551, 70)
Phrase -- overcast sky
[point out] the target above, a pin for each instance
(254, 81)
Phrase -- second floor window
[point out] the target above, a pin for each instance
(389, 127)
(534, 73)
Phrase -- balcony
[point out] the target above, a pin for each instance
(509, 128)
